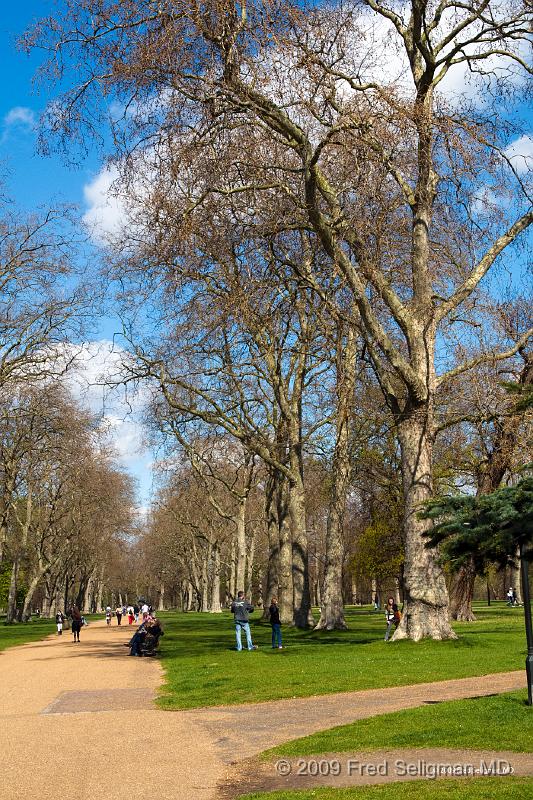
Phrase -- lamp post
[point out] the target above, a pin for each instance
(525, 556)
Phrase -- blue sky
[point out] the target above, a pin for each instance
(31, 180)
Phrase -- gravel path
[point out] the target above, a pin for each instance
(80, 723)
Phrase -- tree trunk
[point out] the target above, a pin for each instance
(249, 588)
(99, 596)
(11, 615)
(374, 592)
(516, 578)
(426, 611)
(216, 608)
(397, 591)
(87, 596)
(204, 582)
(240, 546)
(462, 593)
(26, 609)
(332, 604)
(273, 531)
(161, 599)
(286, 591)
(190, 596)
(303, 616)
(233, 571)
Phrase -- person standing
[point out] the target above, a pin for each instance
(131, 615)
(392, 616)
(59, 622)
(276, 624)
(76, 622)
(108, 615)
(118, 612)
(510, 596)
(241, 609)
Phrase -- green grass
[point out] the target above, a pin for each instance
(501, 722)
(201, 667)
(462, 789)
(22, 632)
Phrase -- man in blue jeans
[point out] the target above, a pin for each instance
(241, 608)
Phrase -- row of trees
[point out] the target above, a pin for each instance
(313, 233)
(64, 504)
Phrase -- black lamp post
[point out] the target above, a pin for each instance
(525, 556)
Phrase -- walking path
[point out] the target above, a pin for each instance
(79, 723)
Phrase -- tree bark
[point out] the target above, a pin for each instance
(516, 578)
(273, 531)
(302, 614)
(12, 595)
(286, 591)
(426, 609)
(249, 588)
(332, 605)
(240, 545)
(462, 593)
(204, 581)
(161, 598)
(216, 607)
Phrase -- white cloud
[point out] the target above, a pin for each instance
(20, 119)
(19, 116)
(94, 380)
(520, 153)
(106, 212)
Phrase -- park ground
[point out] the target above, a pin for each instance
(91, 719)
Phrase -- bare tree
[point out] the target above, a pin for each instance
(386, 177)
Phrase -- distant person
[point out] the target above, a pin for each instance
(377, 604)
(108, 615)
(131, 615)
(392, 616)
(510, 596)
(136, 612)
(241, 609)
(76, 622)
(275, 623)
(59, 622)
(118, 612)
(145, 611)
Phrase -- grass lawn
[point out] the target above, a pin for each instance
(462, 789)
(202, 668)
(502, 722)
(22, 632)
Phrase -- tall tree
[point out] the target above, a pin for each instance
(387, 177)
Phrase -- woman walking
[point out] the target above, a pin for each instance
(76, 622)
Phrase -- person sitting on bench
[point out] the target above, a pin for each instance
(146, 637)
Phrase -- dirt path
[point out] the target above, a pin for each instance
(80, 724)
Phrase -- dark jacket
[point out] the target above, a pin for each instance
(274, 614)
(241, 610)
